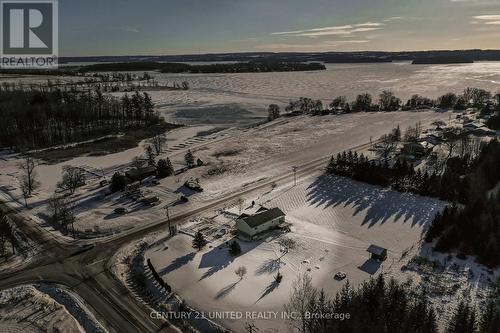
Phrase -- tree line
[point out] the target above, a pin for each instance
(33, 119)
(471, 230)
(401, 176)
(242, 67)
(387, 101)
(474, 229)
(382, 306)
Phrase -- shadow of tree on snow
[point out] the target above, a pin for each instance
(380, 204)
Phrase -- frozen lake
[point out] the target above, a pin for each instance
(232, 99)
(238, 99)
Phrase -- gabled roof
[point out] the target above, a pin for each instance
(141, 172)
(252, 210)
(263, 217)
(375, 249)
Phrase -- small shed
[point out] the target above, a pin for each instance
(377, 252)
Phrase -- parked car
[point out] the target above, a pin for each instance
(340, 276)
(150, 200)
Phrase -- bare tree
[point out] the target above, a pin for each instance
(61, 212)
(388, 102)
(438, 124)
(303, 294)
(273, 112)
(451, 140)
(72, 178)
(241, 272)
(240, 203)
(138, 162)
(150, 155)
(386, 146)
(28, 178)
(158, 142)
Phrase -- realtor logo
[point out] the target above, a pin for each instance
(29, 33)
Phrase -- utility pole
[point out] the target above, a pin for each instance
(294, 168)
(168, 220)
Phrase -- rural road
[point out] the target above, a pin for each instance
(87, 274)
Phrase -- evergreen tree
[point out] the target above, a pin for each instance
(118, 182)
(199, 241)
(234, 248)
(164, 168)
(150, 155)
(463, 320)
(189, 158)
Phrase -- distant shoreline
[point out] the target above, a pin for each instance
(441, 61)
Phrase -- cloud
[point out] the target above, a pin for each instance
(343, 27)
(489, 17)
(126, 28)
(486, 20)
(324, 45)
(342, 30)
(369, 24)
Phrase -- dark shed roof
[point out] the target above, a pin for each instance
(261, 218)
(375, 249)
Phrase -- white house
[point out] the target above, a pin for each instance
(251, 225)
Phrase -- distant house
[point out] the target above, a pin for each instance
(263, 220)
(484, 131)
(431, 138)
(414, 148)
(376, 252)
(141, 173)
(472, 126)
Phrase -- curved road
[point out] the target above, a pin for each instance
(88, 274)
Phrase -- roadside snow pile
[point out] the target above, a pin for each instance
(130, 268)
(75, 306)
(27, 309)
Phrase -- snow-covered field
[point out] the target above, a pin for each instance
(333, 220)
(44, 308)
(234, 158)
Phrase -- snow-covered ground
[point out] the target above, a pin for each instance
(333, 221)
(233, 157)
(44, 308)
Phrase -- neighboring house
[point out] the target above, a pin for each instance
(431, 138)
(484, 131)
(414, 148)
(472, 126)
(141, 173)
(263, 220)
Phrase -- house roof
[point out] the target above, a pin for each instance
(263, 217)
(375, 249)
(252, 210)
(144, 171)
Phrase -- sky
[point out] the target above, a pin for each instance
(163, 27)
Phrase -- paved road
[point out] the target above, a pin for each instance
(87, 273)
